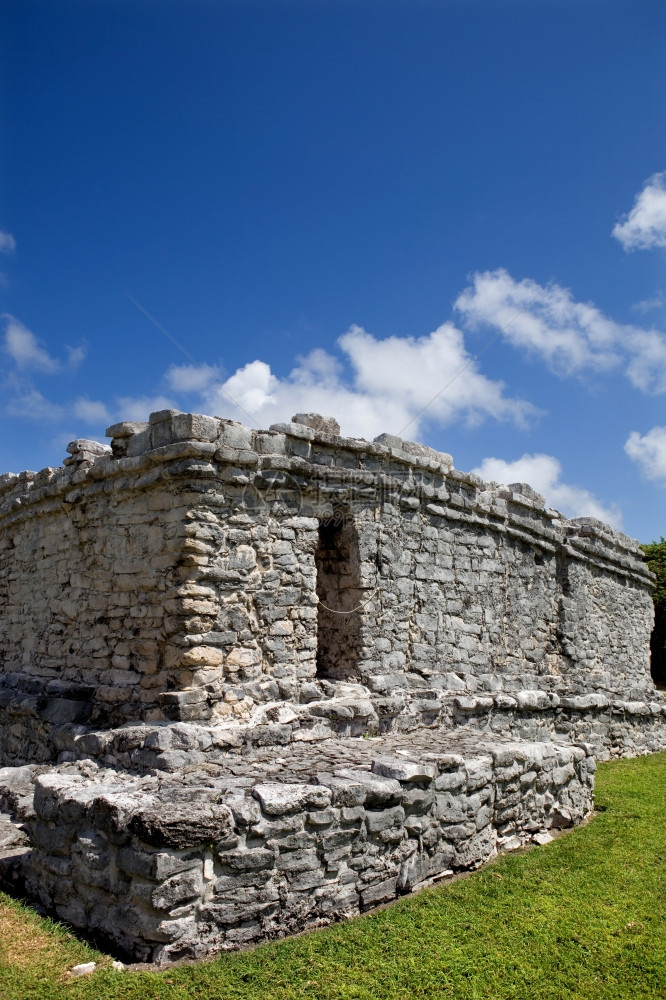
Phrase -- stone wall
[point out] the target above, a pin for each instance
(187, 574)
(186, 865)
(89, 575)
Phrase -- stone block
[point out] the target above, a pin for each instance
(194, 427)
(256, 859)
(179, 825)
(376, 790)
(384, 819)
(235, 436)
(379, 892)
(178, 889)
(324, 425)
(298, 861)
(279, 798)
(403, 770)
(450, 781)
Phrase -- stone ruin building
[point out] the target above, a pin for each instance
(256, 681)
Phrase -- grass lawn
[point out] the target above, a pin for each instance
(582, 917)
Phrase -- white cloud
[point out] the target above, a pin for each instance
(29, 353)
(91, 411)
(389, 383)
(646, 364)
(649, 452)
(570, 336)
(24, 348)
(543, 473)
(29, 403)
(7, 242)
(139, 407)
(75, 355)
(253, 387)
(191, 378)
(645, 225)
(647, 305)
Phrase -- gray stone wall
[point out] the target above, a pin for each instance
(89, 585)
(186, 865)
(184, 575)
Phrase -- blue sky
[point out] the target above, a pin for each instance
(336, 206)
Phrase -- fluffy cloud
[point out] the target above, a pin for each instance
(191, 378)
(647, 305)
(138, 407)
(91, 411)
(23, 399)
(25, 350)
(29, 354)
(649, 452)
(27, 402)
(389, 382)
(645, 225)
(75, 355)
(570, 336)
(7, 242)
(543, 473)
(646, 361)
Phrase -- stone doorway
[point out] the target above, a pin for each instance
(338, 573)
(658, 655)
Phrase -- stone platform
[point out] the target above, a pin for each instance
(219, 854)
(253, 681)
(39, 726)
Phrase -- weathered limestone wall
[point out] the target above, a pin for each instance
(197, 624)
(88, 582)
(194, 572)
(187, 865)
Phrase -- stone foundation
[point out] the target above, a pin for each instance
(218, 856)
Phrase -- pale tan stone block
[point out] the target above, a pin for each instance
(204, 656)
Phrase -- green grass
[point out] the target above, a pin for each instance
(583, 917)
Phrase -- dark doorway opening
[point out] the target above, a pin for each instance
(338, 614)
(658, 653)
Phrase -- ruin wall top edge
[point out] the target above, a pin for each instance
(169, 437)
